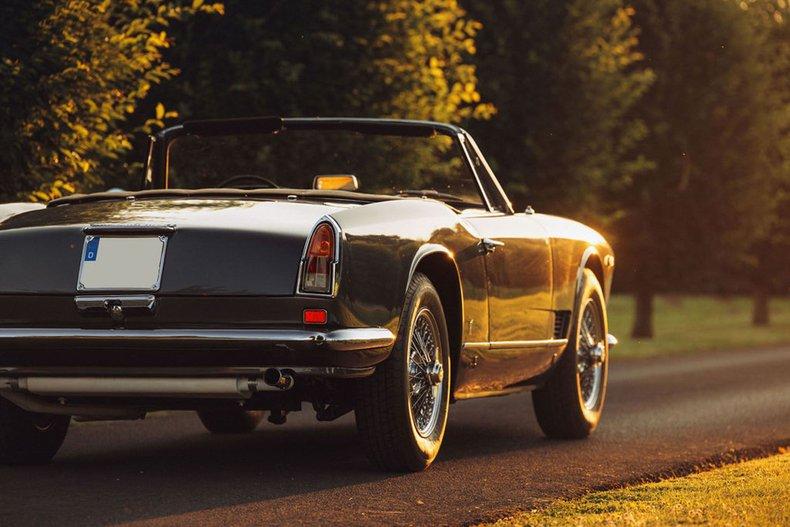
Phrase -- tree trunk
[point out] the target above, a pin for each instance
(643, 322)
(760, 314)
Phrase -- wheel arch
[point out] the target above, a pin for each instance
(591, 260)
(594, 264)
(438, 264)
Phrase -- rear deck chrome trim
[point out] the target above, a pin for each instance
(129, 228)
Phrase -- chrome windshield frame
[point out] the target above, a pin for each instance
(156, 170)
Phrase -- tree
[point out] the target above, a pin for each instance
(401, 58)
(71, 72)
(771, 252)
(359, 58)
(563, 75)
(688, 222)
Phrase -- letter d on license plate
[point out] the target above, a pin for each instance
(121, 263)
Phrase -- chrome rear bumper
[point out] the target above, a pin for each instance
(254, 349)
(350, 339)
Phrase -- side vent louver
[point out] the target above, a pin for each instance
(561, 321)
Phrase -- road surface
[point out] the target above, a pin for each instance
(660, 413)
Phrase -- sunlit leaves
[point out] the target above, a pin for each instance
(424, 50)
(74, 72)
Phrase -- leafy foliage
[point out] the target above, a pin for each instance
(771, 250)
(564, 76)
(403, 58)
(358, 58)
(422, 52)
(71, 72)
(688, 222)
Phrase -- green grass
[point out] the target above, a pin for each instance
(698, 323)
(754, 493)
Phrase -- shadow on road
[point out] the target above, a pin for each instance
(169, 465)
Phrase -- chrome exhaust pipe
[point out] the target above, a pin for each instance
(36, 404)
(187, 387)
(278, 379)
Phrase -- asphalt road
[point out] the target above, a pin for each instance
(659, 414)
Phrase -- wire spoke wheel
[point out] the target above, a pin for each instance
(402, 408)
(570, 403)
(425, 373)
(591, 355)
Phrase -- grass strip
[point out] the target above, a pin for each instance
(687, 324)
(754, 493)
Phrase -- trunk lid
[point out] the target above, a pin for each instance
(218, 247)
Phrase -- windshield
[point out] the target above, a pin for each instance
(381, 164)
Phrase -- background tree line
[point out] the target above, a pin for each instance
(664, 123)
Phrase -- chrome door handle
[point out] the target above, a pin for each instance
(487, 245)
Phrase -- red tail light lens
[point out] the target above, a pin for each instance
(318, 266)
(314, 316)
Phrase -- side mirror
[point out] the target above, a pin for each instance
(336, 182)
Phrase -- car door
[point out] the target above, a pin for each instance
(518, 271)
(517, 255)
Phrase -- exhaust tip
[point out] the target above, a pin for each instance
(278, 379)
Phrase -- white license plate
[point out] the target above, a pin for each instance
(122, 263)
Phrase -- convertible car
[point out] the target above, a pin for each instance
(356, 265)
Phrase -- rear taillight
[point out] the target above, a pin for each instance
(315, 316)
(319, 261)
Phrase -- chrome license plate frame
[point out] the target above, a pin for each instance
(121, 263)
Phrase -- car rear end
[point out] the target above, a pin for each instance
(114, 307)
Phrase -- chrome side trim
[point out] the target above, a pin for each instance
(85, 302)
(511, 344)
(350, 339)
(546, 343)
(494, 393)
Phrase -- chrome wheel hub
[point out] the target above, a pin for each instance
(426, 373)
(591, 355)
(435, 373)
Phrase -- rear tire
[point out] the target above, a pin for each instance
(230, 420)
(569, 405)
(27, 437)
(401, 409)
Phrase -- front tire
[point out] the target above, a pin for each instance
(569, 405)
(230, 420)
(28, 438)
(401, 409)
